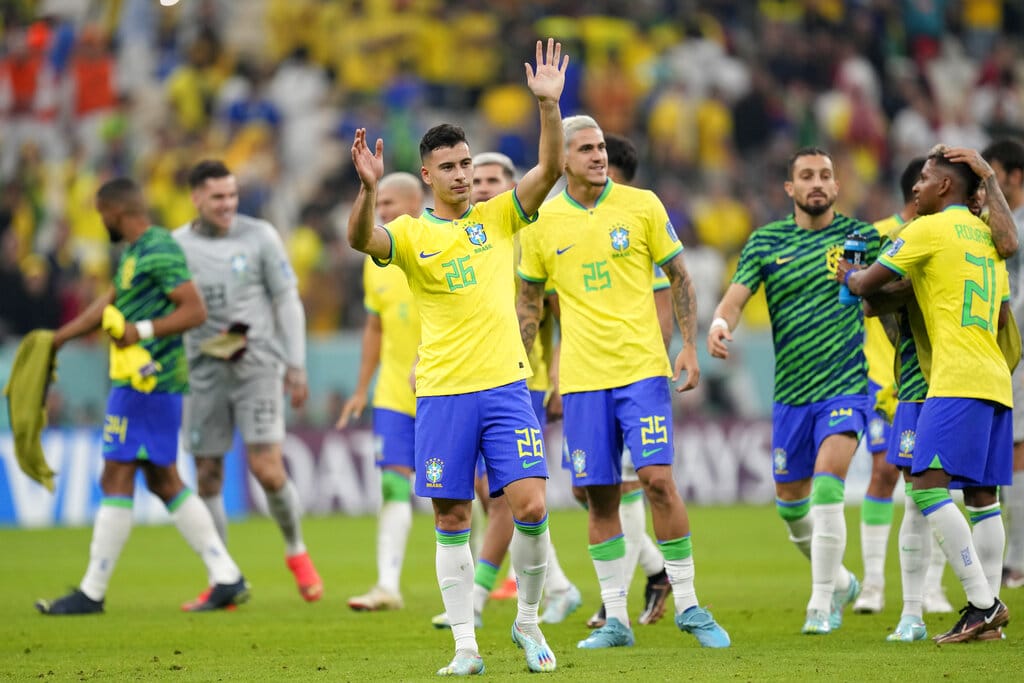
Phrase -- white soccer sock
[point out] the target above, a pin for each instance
(989, 537)
(454, 566)
(611, 576)
(915, 550)
(392, 535)
(800, 531)
(954, 536)
(873, 541)
(110, 531)
(651, 560)
(555, 581)
(633, 520)
(680, 575)
(195, 524)
(828, 542)
(286, 510)
(1013, 501)
(480, 597)
(529, 551)
(936, 565)
(215, 504)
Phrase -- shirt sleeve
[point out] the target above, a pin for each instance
(662, 239)
(531, 259)
(371, 300)
(912, 247)
(278, 276)
(166, 265)
(748, 270)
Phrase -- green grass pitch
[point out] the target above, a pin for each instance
(756, 583)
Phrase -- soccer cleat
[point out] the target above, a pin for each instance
(441, 620)
(539, 657)
(224, 596)
(558, 606)
(376, 599)
(871, 600)
(506, 591)
(465, 664)
(308, 581)
(613, 634)
(840, 601)
(908, 630)
(973, 621)
(817, 623)
(994, 634)
(935, 601)
(75, 602)
(655, 597)
(699, 622)
(195, 602)
(597, 620)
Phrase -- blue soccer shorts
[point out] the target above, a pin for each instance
(971, 438)
(903, 438)
(797, 432)
(142, 427)
(394, 434)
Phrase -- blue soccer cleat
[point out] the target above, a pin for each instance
(613, 634)
(908, 630)
(699, 622)
(558, 606)
(817, 623)
(75, 602)
(841, 600)
(224, 596)
(539, 657)
(464, 664)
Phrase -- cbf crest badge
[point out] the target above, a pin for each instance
(127, 272)
(434, 472)
(476, 234)
(579, 462)
(907, 439)
(620, 238)
(239, 264)
(779, 460)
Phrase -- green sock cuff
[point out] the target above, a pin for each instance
(118, 501)
(929, 500)
(532, 528)
(827, 489)
(633, 496)
(486, 574)
(981, 514)
(179, 499)
(876, 511)
(908, 489)
(394, 488)
(793, 510)
(452, 537)
(677, 548)
(612, 549)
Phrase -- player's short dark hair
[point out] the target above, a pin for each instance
(444, 135)
(1009, 152)
(961, 171)
(206, 169)
(805, 152)
(622, 154)
(124, 192)
(909, 177)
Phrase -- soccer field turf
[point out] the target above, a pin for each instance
(755, 581)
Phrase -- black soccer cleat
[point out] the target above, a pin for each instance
(224, 596)
(974, 621)
(655, 597)
(75, 602)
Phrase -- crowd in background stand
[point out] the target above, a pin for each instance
(717, 94)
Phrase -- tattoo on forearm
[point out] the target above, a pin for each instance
(528, 308)
(684, 299)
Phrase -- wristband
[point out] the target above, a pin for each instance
(719, 322)
(145, 329)
(846, 277)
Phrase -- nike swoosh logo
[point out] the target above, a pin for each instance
(833, 421)
(426, 255)
(528, 465)
(990, 617)
(646, 453)
(780, 261)
(559, 252)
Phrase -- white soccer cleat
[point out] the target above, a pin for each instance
(376, 599)
(871, 600)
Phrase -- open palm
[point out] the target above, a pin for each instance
(547, 81)
(369, 165)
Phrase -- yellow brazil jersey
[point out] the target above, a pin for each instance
(959, 282)
(599, 261)
(878, 350)
(387, 293)
(462, 278)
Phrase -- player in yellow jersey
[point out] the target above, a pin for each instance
(471, 395)
(596, 243)
(390, 337)
(964, 430)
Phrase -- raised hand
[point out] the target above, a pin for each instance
(547, 81)
(369, 165)
(972, 158)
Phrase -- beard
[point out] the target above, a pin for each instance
(115, 235)
(816, 209)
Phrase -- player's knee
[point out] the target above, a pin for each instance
(394, 488)
(659, 486)
(980, 497)
(580, 494)
(827, 489)
(531, 510)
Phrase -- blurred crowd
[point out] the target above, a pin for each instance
(716, 94)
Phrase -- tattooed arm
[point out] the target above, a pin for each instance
(684, 301)
(529, 308)
(1000, 218)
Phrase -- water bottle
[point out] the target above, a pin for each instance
(853, 251)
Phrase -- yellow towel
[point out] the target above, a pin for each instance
(31, 374)
(132, 363)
